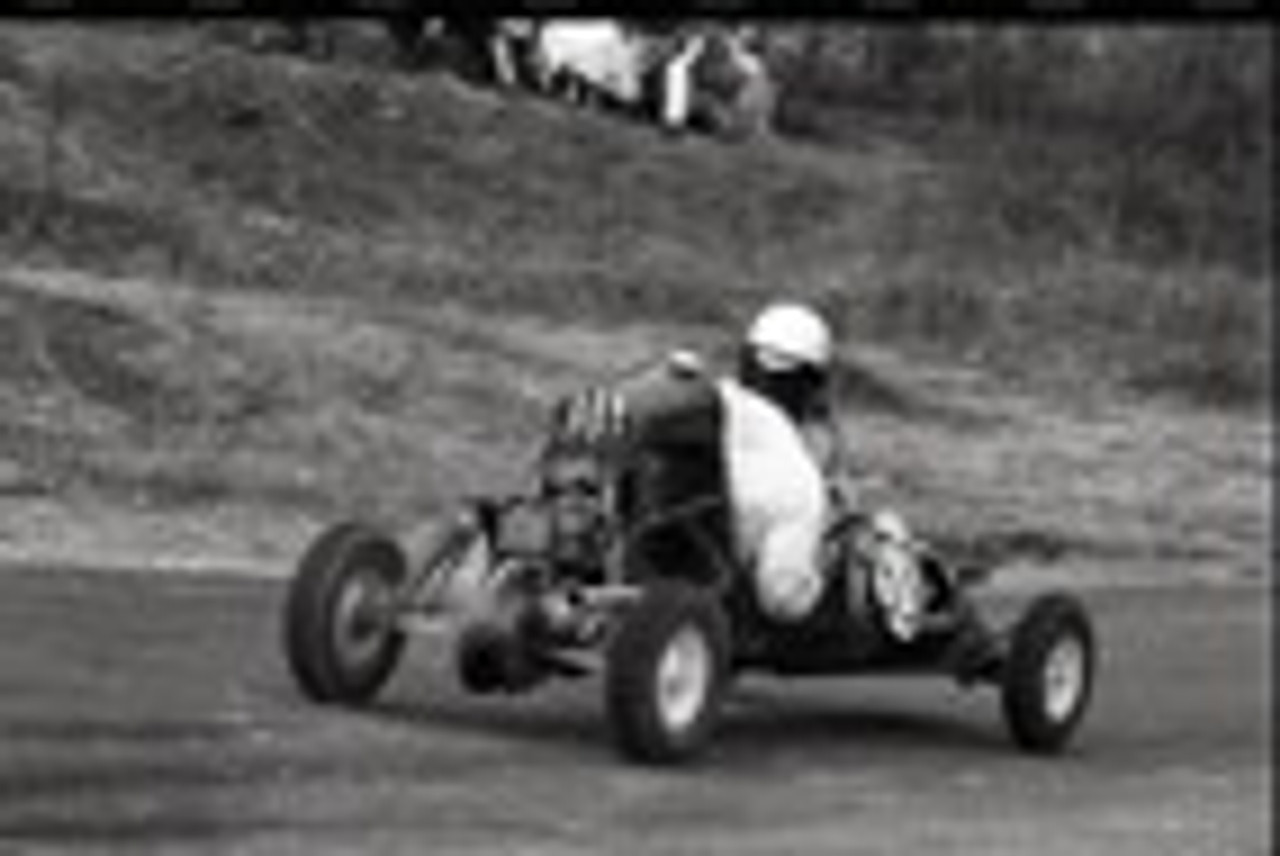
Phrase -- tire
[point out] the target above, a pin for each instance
(339, 649)
(1049, 673)
(667, 667)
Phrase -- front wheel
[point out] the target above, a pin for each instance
(340, 636)
(666, 670)
(1049, 673)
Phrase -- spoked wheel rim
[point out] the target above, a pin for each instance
(684, 679)
(1065, 678)
(362, 617)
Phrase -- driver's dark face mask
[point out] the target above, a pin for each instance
(800, 391)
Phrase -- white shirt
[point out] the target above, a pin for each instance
(779, 499)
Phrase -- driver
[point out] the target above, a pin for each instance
(775, 479)
(788, 477)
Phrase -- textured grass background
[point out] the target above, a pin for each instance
(242, 294)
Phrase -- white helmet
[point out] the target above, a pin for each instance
(790, 335)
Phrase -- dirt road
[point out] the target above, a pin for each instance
(145, 714)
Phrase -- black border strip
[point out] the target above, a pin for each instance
(888, 10)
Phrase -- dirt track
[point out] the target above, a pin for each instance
(143, 714)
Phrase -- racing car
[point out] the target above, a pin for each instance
(617, 561)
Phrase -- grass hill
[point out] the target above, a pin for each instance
(241, 294)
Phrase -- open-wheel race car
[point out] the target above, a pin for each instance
(619, 561)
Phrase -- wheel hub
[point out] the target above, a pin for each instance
(361, 617)
(684, 677)
(1064, 678)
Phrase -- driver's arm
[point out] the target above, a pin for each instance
(832, 453)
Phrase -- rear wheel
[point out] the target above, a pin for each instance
(1049, 673)
(667, 668)
(340, 636)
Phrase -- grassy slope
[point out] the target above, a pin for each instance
(243, 294)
